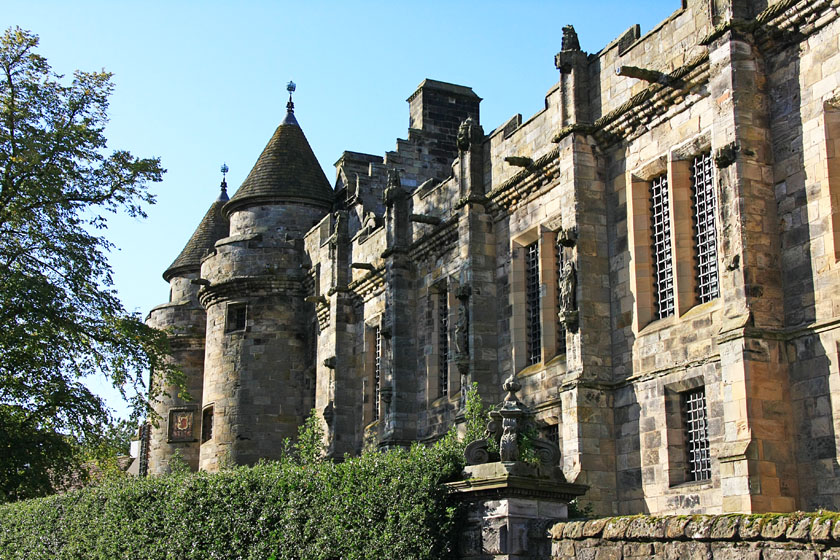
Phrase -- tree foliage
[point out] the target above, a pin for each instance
(60, 317)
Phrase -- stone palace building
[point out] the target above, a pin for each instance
(654, 255)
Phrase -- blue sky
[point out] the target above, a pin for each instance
(201, 83)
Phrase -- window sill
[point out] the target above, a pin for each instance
(702, 309)
(699, 484)
(673, 320)
(445, 400)
(533, 368)
(556, 359)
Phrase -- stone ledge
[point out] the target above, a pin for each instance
(820, 527)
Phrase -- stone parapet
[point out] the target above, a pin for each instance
(734, 537)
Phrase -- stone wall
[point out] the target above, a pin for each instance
(796, 536)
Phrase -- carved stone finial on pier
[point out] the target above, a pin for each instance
(507, 428)
(510, 502)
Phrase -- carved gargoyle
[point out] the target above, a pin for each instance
(567, 237)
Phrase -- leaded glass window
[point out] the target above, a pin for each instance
(663, 266)
(705, 232)
(443, 344)
(698, 464)
(377, 371)
(532, 298)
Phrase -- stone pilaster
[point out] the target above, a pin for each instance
(478, 362)
(339, 369)
(399, 379)
(588, 434)
(758, 470)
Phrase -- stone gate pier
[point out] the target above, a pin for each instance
(511, 503)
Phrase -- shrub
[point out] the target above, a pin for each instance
(379, 505)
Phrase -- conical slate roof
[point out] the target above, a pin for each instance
(213, 227)
(287, 170)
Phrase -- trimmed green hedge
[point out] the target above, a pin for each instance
(379, 505)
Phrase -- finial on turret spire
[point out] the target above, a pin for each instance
(224, 195)
(290, 87)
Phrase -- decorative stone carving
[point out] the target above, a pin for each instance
(387, 395)
(567, 237)
(547, 452)
(462, 334)
(570, 55)
(570, 40)
(567, 284)
(508, 444)
(726, 155)
(393, 187)
(469, 133)
(329, 414)
(477, 453)
(506, 428)
(462, 340)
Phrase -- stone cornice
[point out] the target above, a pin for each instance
(502, 480)
(247, 287)
(441, 239)
(636, 115)
(518, 188)
(369, 285)
(781, 24)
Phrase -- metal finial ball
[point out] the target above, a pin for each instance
(225, 168)
(290, 87)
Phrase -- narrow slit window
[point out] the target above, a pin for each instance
(236, 314)
(377, 371)
(207, 424)
(663, 267)
(705, 231)
(443, 344)
(698, 463)
(532, 295)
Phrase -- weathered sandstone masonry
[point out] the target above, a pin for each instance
(732, 537)
(653, 256)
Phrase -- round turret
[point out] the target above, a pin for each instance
(254, 296)
(179, 426)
